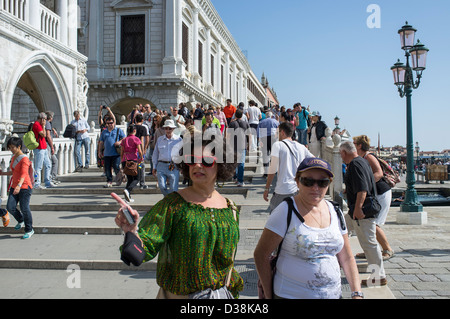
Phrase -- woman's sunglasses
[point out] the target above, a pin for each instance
(309, 182)
(205, 161)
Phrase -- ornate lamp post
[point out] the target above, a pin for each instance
(404, 80)
(337, 121)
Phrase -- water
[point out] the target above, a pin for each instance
(430, 199)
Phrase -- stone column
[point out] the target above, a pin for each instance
(34, 16)
(195, 64)
(61, 7)
(72, 25)
(172, 62)
(226, 85)
(218, 68)
(207, 71)
(95, 40)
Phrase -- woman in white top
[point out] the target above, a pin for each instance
(313, 249)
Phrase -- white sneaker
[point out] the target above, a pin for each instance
(240, 184)
(126, 193)
(28, 235)
(51, 185)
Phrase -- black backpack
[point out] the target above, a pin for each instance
(70, 132)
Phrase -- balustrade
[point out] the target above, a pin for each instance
(47, 21)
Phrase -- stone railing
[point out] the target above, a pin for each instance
(15, 7)
(132, 70)
(50, 22)
(330, 153)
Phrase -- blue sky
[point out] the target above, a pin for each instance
(323, 54)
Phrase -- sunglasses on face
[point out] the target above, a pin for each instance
(110, 123)
(309, 182)
(205, 161)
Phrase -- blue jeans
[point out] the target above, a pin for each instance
(24, 216)
(302, 136)
(87, 151)
(110, 163)
(240, 167)
(167, 180)
(41, 159)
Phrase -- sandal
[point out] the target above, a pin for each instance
(388, 254)
(360, 256)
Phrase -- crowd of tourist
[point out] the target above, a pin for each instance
(310, 232)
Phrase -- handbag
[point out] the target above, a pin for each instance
(274, 258)
(130, 168)
(371, 207)
(132, 250)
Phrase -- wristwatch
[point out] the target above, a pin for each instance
(357, 294)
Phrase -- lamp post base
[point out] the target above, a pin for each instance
(412, 218)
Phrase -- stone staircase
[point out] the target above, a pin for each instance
(74, 225)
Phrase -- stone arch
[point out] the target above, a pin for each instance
(123, 107)
(40, 78)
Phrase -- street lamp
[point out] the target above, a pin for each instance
(404, 80)
(337, 120)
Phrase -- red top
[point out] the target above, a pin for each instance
(22, 169)
(229, 111)
(37, 127)
(130, 147)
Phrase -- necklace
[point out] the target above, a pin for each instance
(309, 212)
(320, 223)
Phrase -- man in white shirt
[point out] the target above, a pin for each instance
(82, 139)
(166, 148)
(254, 116)
(286, 157)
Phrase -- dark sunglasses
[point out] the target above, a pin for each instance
(205, 161)
(309, 182)
(110, 123)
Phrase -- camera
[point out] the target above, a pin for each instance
(103, 107)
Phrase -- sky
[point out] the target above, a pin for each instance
(325, 54)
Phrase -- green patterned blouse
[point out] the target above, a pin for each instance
(195, 245)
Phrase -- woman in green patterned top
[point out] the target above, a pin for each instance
(195, 231)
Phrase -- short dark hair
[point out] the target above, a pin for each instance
(138, 118)
(131, 129)
(288, 128)
(239, 113)
(14, 141)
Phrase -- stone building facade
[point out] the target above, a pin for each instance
(161, 52)
(41, 67)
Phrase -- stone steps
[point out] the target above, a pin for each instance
(74, 224)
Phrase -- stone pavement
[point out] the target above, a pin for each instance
(75, 226)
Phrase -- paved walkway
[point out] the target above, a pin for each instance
(82, 231)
